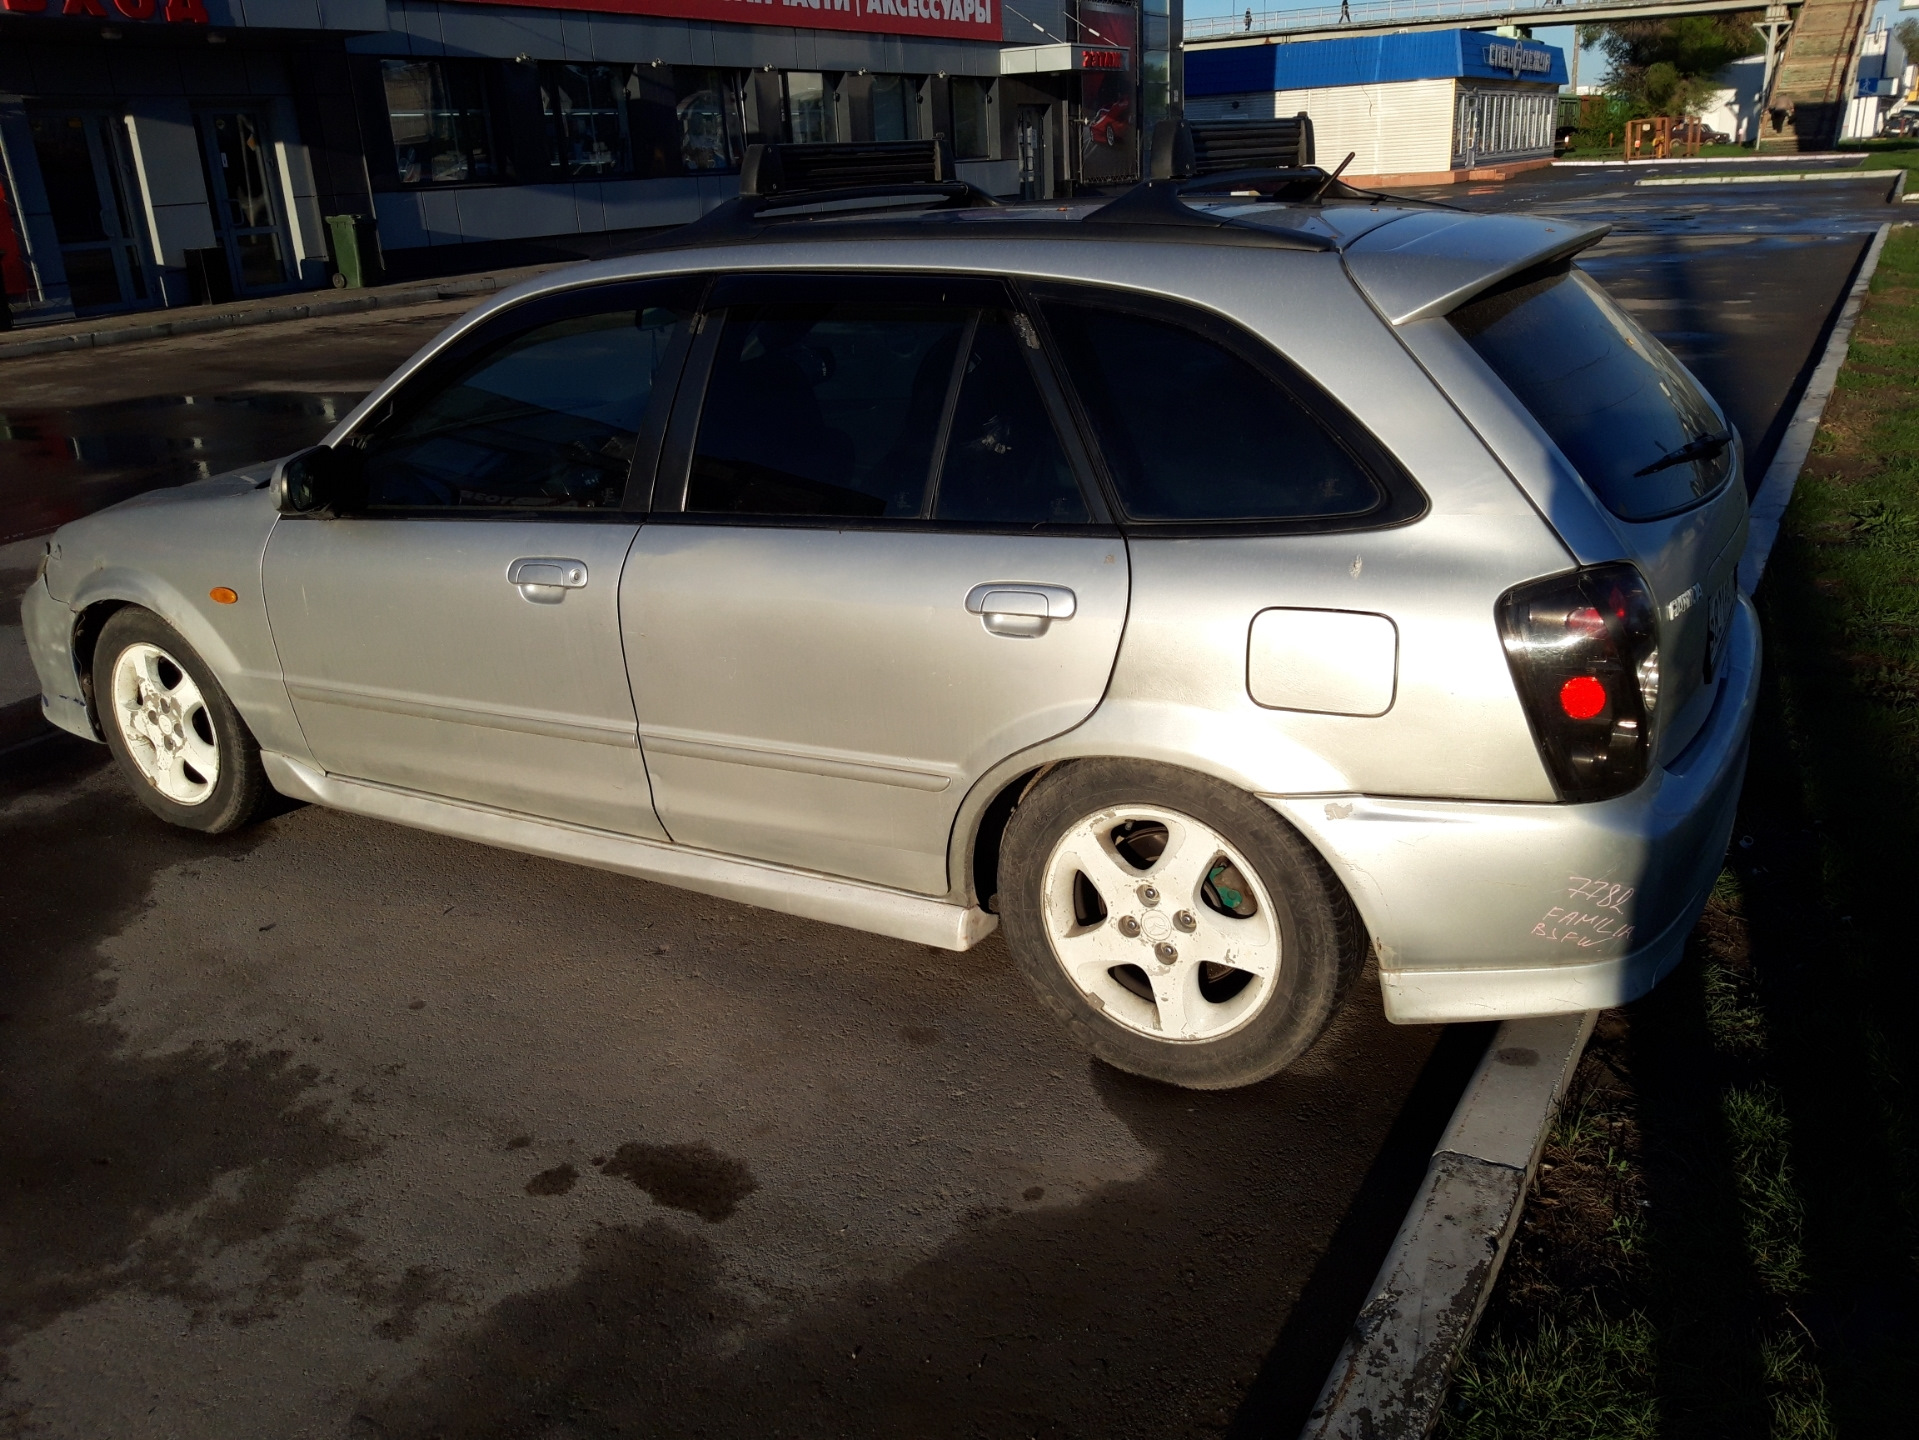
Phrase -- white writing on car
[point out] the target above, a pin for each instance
(1582, 928)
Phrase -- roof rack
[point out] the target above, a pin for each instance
(1226, 145)
(1272, 159)
(797, 168)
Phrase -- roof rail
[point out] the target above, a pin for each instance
(750, 216)
(794, 168)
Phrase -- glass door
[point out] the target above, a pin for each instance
(240, 182)
(90, 189)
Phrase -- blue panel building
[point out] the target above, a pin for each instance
(1428, 105)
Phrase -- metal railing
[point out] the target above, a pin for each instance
(1367, 14)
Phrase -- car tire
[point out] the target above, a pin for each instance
(171, 727)
(1178, 927)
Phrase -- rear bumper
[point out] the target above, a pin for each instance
(1498, 911)
(49, 630)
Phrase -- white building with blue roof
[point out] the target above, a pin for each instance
(1420, 108)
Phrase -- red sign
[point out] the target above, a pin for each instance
(180, 12)
(1102, 59)
(952, 19)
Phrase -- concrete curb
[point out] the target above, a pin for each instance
(1392, 1372)
(1774, 177)
(1775, 490)
(204, 319)
(1794, 159)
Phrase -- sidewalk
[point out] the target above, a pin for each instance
(300, 305)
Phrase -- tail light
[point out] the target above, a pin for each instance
(1584, 651)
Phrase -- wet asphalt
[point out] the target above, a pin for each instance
(333, 1128)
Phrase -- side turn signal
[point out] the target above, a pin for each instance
(221, 595)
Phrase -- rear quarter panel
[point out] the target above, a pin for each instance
(1455, 727)
(1699, 546)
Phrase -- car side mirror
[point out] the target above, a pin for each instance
(316, 480)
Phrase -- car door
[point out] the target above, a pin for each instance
(876, 569)
(458, 633)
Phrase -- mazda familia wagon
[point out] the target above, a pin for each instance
(1206, 589)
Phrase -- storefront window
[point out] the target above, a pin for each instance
(708, 119)
(1154, 97)
(895, 107)
(972, 115)
(586, 126)
(440, 130)
(808, 114)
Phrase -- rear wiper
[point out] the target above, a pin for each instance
(1703, 448)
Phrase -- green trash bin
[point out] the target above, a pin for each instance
(356, 250)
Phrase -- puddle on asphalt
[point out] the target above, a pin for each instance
(59, 464)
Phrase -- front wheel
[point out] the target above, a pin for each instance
(191, 758)
(1179, 927)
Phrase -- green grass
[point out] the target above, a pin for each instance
(1587, 1376)
(1616, 152)
(1725, 1237)
(1886, 154)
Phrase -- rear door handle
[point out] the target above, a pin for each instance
(1019, 609)
(545, 579)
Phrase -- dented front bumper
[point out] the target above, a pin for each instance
(1496, 911)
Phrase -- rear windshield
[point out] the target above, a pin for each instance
(1613, 399)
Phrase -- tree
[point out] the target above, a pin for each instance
(1906, 32)
(1666, 67)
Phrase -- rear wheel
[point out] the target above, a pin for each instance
(191, 758)
(1178, 926)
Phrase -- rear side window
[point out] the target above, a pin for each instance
(1613, 399)
(1194, 430)
(879, 411)
(1004, 463)
(827, 409)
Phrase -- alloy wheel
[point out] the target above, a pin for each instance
(1158, 920)
(166, 724)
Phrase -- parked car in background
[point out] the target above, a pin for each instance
(1205, 589)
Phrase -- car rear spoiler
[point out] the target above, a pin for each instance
(1427, 265)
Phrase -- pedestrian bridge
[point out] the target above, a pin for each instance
(1324, 22)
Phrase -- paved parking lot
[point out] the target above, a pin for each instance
(338, 1122)
(336, 1128)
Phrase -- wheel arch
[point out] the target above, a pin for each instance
(88, 622)
(989, 805)
(107, 592)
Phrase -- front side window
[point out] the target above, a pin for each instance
(441, 133)
(892, 411)
(1614, 400)
(586, 118)
(546, 418)
(1193, 430)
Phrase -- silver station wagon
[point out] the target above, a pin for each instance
(1206, 588)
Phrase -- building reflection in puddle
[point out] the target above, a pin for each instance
(59, 464)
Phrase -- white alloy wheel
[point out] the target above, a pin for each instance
(166, 724)
(1161, 923)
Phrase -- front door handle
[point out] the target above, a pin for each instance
(545, 579)
(1019, 609)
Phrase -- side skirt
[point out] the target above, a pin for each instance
(916, 918)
